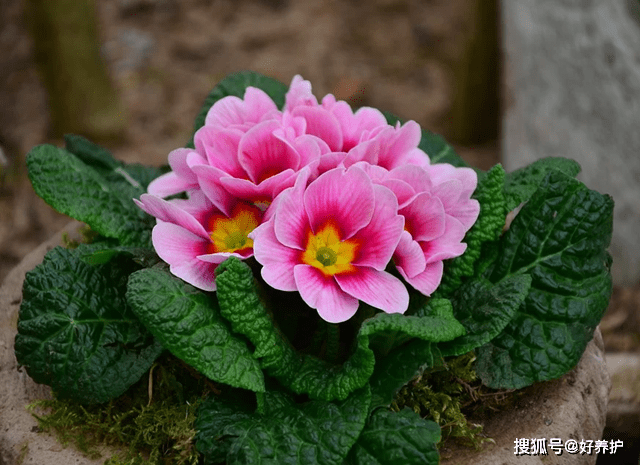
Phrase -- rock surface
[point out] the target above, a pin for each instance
(573, 406)
(572, 80)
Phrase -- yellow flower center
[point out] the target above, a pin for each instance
(230, 234)
(326, 252)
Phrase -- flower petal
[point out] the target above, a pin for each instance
(263, 155)
(424, 217)
(427, 281)
(169, 184)
(180, 248)
(408, 256)
(291, 220)
(343, 197)
(169, 212)
(299, 93)
(376, 288)
(266, 190)
(448, 245)
(209, 180)
(396, 144)
(380, 237)
(277, 260)
(322, 124)
(221, 149)
(324, 294)
(465, 210)
(233, 111)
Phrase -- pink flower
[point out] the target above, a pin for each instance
(230, 113)
(331, 241)
(438, 210)
(254, 166)
(353, 137)
(193, 236)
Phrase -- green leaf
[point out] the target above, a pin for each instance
(132, 175)
(521, 184)
(400, 366)
(392, 438)
(438, 327)
(304, 374)
(236, 84)
(316, 432)
(485, 310)
(188, 323)
(75, 189)
(76, 331)
(438, 150)
(559, 238)
(487, 228)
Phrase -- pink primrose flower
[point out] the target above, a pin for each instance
(194, 236)
(438, 210)
(254, 166)
(331, 241)
(353, 137)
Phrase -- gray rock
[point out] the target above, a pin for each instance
(572, 87)
(571, 407)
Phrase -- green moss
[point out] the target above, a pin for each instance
(24, 450)
(151, 423)
(449, 395)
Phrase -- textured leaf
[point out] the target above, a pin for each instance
(400, 366)
(303, 374)
(187, 322)
(485, 310)
(236, 84)
(488, 227)
(316, 432)
(559, 238)
(131, 176)
(77, 190)
(438, 150)
(521, 184)
(391, 438)
(437, 327)
(76, 331)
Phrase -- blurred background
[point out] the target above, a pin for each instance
(132, 74)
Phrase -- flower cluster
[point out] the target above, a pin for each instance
(323, 197)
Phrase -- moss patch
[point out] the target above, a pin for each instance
(450, 395)
(151, 423)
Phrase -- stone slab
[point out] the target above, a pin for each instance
(571, 88)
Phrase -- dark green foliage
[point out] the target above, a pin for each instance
(188, 323)
(76, 331)
(286, 432)
(559, 239)
(521, 184)
(95, 193)
(487, 228)
(391, 438)
(484, 311)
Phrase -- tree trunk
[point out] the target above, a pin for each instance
(82, 99)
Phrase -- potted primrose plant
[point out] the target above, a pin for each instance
(300, 263)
